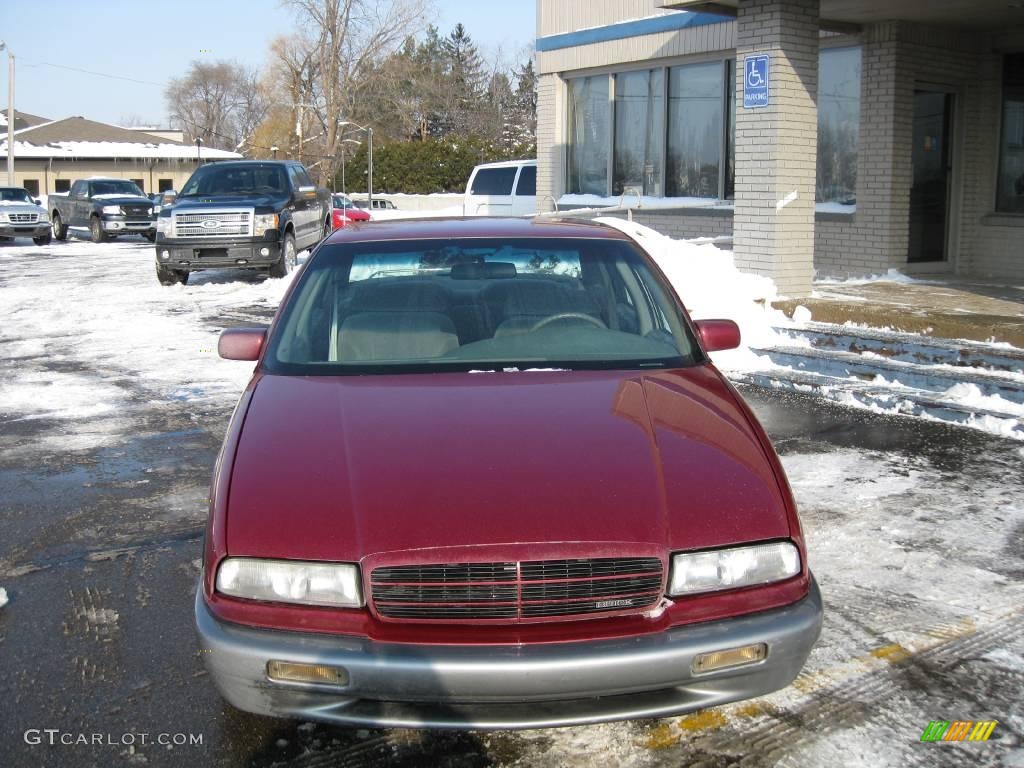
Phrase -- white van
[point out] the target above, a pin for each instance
(502, 189)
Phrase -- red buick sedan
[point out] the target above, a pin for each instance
(485, 476)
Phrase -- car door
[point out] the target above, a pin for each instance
(490, 192)
(77, 200)
(524, 200)
(307, 207)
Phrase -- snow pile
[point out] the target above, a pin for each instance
(385, 214)
(892, 276)
(3, 597)
(711, 287)
(119, 149)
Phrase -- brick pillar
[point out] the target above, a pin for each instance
(550, 150)
(776, 145)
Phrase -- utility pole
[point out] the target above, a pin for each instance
(369, 133)
(10, 114)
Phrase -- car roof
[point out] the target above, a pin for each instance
(474, 227)
(507, 164)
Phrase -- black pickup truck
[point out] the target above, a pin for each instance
(105, 207)
(245, 214)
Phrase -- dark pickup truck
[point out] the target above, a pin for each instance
(105, 207)
(245, 214)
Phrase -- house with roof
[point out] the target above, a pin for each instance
(49, 155)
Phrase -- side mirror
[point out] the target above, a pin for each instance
(718, 335)
(241, 343)
(36, 201)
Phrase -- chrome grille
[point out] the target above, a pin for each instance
(214, 224)
(23, 218)
(515, 591)
(142, 211)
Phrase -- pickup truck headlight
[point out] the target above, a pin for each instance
(164, 226)
(263, 222)
(3, 217)
(290, 581)
(695, 572)
(116, 209)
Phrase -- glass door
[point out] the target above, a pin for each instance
(933, 169)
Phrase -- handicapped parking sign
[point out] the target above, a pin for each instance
(755, 81)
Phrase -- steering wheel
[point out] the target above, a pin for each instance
(566, 316)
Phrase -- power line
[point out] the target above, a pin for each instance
(89, 72)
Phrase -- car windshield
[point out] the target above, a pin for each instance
(478, 304)
(342, 203)
(256, 179)
(14, 195)
(100, 188)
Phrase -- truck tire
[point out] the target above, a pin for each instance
(170, 276)
(96, 233)
(42, 240)
(289, 257)
(151, 236)
(59, 230)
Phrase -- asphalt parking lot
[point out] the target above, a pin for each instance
(112, 407)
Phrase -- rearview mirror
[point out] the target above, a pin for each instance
(718, 335)
(241, 343)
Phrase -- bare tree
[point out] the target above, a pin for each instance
(330, 64)
(219, 102)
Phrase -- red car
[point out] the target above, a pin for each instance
(345, 212)
(485, 476)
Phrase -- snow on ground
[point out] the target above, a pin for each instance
(406, 213)
(710, 286)
(3, 597)
(82, 348)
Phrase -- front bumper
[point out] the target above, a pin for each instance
(123, 226)
(216, 254)
(508, 686)
(39, 229)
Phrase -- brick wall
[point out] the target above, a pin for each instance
(776, 145)
(551, 108)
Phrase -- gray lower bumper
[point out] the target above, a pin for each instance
(217, 255)
(25, 230)
(124, 226)
(521, 686)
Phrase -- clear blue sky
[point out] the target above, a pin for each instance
(165, 35)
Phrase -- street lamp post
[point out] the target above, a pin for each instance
(10, 113)
(369, 162)
(274, 150)
(199, 158)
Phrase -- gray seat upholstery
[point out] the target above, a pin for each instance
(525, 303)
(379, 336)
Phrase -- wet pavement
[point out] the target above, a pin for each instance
(915, 532)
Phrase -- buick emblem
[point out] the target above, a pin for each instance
(210, 224)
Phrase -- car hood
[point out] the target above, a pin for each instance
(351, 467)
(221, 201)
(10, 206)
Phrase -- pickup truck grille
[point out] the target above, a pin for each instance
(137, 211)
(23, 218)
(212, 224)
(515, 591)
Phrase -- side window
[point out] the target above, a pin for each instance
(527, 186)
(303, 177)
(493, 181)
(140, 184)
(79, 189)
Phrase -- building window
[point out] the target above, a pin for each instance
(639, 132)
(838, 124)
(163, 185)
(62, 185)
(588, 135)
(140, 183)
(1010, 189)
(695, 129)
(31, 186)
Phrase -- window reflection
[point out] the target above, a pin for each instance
(1010, 189)
(838, 124)
(695, 129)
(639, 116)
(589, 135)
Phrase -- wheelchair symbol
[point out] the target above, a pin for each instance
(754, 77)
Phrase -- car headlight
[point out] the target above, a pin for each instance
(163, 225)
(694, 572)
(3, 218)
(264, 222)
(112, 209)
(290, 581)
